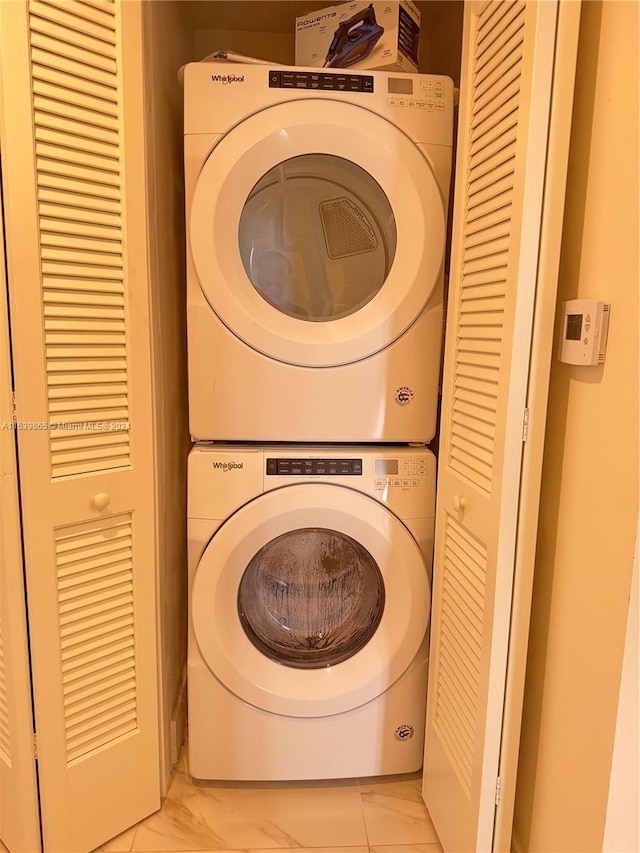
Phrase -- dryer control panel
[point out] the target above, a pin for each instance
(321, 81)
(314, 467)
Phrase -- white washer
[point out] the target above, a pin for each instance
(309, 578)
(316, 206)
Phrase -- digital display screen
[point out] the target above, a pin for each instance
(386, 466)
(400, 86)
(574, 327)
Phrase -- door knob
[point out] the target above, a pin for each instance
(459, 503)
(101, 500)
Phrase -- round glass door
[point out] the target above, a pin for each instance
(311, 598)
(317, 237)
(317, 232)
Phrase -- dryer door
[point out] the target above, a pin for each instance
(310, 600)
(317, 231)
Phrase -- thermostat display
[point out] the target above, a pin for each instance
(585, 324)
(574, 327)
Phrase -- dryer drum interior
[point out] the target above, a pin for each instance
(317, 237)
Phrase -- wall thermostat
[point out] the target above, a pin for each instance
(585, 324)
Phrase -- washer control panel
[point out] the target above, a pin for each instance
(388, 472)
(399, 473)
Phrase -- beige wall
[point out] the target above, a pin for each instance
(168, 44)
(589, 502)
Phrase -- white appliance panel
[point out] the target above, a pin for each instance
(243, 498)
(316, 222)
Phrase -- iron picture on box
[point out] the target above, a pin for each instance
(378, 36)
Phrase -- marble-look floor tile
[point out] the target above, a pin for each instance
(237, 817)
(120, 844)
(435, 847)
(395, 813)
(284, 850)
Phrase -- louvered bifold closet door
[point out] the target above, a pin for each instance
(19, 819)
(73, 175)
(506, 93)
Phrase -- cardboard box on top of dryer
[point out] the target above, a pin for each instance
(375, 36)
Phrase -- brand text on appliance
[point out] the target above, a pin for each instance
(227, 78)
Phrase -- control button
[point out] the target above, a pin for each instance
(405, 484)
(588, 318)
(395, 483)
(585, 341)
(367, 84)
(379, 484)
(274, 79)
(587, 326)
(392, 102)
(402, 102)
(421, 104)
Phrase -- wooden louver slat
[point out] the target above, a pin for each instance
(74, 254)
(5, 741)
(460, 645)
(498, 50)
(75, 16)
(76, 99)
(95, 592)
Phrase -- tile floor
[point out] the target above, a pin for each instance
(382, 815)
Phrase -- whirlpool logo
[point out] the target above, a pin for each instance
(225, 79)
(228, 466)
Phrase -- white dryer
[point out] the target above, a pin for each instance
(309, 578)
(316, 206)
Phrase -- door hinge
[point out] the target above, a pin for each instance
(498, 790)
(35, 745)
(525, 425)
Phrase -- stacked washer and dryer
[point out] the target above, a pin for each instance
(316, 207)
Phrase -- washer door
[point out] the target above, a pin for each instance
(310, 600)
(317, 231)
